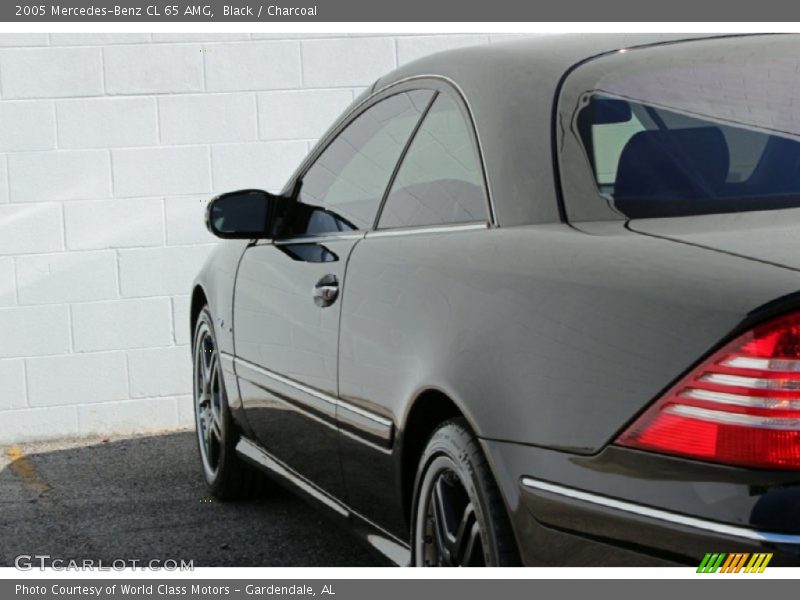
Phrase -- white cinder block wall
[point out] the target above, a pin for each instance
(110, 145)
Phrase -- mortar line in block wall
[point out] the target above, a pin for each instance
(125, 248)
(175, 397)
(103, 70)
(119, 275)
(111, 171)
(25, 383)
(164, 231)
(16, 280)
(327, 88)
(158, 120)
(172, 320)
(174, 145)
(302, 74)
(80, 96)
(205, 72)
(71, 335)
(95, 352)
(98, 301)
(62, 213)
(55, 124)
(128, 374)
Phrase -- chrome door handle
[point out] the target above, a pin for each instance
(326, 291)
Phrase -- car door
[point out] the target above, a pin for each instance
(288, 291)
(407, 283)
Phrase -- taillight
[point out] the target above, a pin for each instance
(739, 407)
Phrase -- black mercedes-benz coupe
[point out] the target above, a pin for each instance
(533, 303)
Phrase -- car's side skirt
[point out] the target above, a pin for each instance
(395, 550)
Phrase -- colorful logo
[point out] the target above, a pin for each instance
(744, 562)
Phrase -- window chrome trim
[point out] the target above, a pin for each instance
(661, 515)
(319, 238)
(375, 95)
(401, 231)
(473, 126)
(399, 162)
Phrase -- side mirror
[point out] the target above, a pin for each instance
(245, 214)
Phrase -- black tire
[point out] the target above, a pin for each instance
(457, 505)
(228, 477)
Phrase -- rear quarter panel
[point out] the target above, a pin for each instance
(541, 334)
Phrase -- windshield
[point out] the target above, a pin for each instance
(693, 128)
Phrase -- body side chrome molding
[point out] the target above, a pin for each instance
(251, 368)
(661, 515)
(226, 360)
(363, 421)
(384, 448)
(387, 544)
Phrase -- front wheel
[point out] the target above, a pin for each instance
(227, 476)
(459, 519)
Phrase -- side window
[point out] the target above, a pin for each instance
(440, 179)
(343, 188)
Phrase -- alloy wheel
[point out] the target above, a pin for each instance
(208, 401)
(451, 534)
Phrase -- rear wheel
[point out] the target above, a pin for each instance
(458, 515)
(227, 476)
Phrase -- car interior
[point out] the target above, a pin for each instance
(655, 162)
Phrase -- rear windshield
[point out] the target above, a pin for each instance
(694, 128)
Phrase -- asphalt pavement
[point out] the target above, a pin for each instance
(144, 498)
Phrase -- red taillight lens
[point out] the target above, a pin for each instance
(739, 407)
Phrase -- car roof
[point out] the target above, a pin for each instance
(509, 88)
(558, 52)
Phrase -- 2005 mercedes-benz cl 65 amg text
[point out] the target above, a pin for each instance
(530, 303)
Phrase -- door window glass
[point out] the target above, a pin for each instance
(343, 188)
(440, 180)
